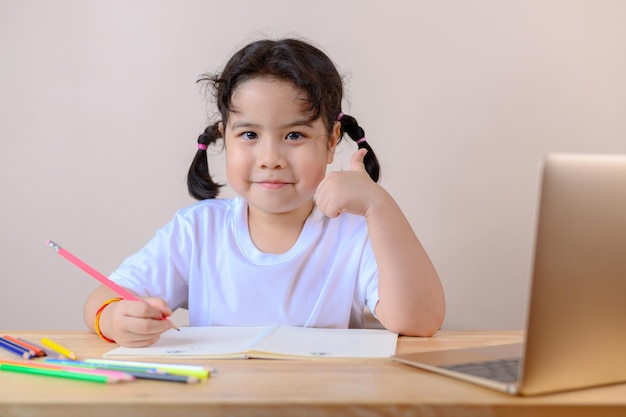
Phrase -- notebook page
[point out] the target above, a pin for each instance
(199, 342)
(310, 342)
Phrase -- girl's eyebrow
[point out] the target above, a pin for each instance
(303, 122)
(250, 125)
(238, 125)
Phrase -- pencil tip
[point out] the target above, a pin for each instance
(174, 326)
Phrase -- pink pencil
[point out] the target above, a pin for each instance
(122, 292)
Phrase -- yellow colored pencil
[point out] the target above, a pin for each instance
(197, 371)
(58, 348)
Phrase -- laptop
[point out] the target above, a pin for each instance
(576, 324)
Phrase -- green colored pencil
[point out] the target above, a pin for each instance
(59, 373)
(137, 372)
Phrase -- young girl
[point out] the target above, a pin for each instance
(297, 246)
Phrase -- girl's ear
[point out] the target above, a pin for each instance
(333, 139)
(220, 127)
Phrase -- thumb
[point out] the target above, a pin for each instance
(356, 163)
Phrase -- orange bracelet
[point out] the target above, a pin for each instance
(99, 313)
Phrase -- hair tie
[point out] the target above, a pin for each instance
(202, 146)
(361, 140)
(340, 115)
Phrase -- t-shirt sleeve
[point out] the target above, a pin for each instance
(161, 268)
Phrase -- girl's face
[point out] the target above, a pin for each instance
(275, 156)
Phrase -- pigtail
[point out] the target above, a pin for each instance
(350, 126)
(199, 182)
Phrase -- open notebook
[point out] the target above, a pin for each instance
(576, 328)
(271, 342)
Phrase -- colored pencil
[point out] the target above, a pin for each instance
(122, 368)
(118, 375)
(59, 373)
(140, 373)
(18, 346)
(35, 350)
(176, 369)
(185, 379)
(58, 348)
(10, 347)
(46, 351)
(122, 292)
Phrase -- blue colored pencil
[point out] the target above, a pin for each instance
(11, 347)
(122, 368)
(17, 343)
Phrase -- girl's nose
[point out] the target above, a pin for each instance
(270, 154)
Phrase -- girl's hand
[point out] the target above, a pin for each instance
(349, 191)
(135, 324)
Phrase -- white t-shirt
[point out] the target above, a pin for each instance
(204, 260)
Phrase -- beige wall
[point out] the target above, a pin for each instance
(461, 99)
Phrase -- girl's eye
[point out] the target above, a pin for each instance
(294, 136)
(249, 135)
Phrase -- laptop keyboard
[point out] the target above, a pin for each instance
(502, 370)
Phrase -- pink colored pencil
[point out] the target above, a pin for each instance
(122, 292)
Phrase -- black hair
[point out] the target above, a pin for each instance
(350, 126)
(293, 60)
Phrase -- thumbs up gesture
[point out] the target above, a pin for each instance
(348, 191)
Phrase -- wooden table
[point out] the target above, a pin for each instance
(328, 387)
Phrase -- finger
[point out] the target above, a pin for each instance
(160, 304)
(146, 327)
(152, 308)
(142, 332)
(356, 163)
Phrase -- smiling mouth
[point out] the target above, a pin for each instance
(272, 185)
(272, 181)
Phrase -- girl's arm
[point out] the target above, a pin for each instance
(411, 299)
(128, 323)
